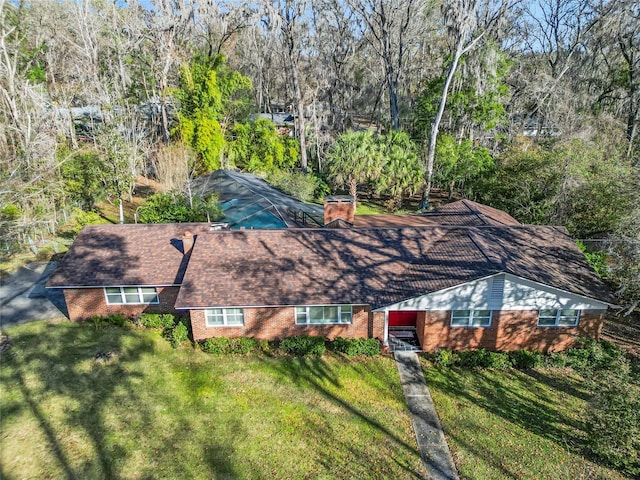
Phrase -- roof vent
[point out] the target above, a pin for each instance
(497, 292)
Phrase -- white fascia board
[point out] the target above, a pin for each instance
(277, 306)
(121, 285)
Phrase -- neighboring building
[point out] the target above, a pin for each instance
(473, 278)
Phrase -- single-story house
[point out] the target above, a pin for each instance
(475, 278)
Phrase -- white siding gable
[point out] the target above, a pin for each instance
(502, 291)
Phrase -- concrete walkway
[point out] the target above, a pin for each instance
(426, 424)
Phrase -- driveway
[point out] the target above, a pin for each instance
(24, 298)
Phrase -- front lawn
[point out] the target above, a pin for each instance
(146, 411)
(514, 424)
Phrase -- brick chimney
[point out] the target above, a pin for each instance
(187, 242)
(339, 207)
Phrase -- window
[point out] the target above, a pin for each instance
(558, 318)
(131, 295)
(471, 318)
(224, 317)
(323, 315)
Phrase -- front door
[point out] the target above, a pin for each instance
(403, 319)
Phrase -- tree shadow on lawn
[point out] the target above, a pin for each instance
(312, 373)
(520, 401)
(62, 360)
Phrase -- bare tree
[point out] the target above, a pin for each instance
(28, 130)
(392, 28)
(614, 73)
(289, 18)
(339, 58)
(168, 26)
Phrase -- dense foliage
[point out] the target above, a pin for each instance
(259, 147)
(211, 96)
(175, 207)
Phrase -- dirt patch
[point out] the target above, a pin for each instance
(624, 332)
(144, 187)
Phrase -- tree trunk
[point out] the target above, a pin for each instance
(435, 126)
(165, 120)
(300, 123)
(353, 190)
(121, 210)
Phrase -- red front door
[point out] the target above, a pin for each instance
(403, 319)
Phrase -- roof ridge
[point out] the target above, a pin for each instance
(476, 211)
(502, 268)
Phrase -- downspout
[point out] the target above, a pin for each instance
(385, 339)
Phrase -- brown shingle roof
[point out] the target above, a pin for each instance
(470, 213)
(461, 213)
(126, 255)
(375, 266)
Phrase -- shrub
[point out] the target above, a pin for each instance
(81, 219)
(177, 334)
(98, 321)
(613, 419)
(474, 358)
(297, 184)
(591, 354)
(356, 346)
(226, 346)
(445, 358)
(118, 320)
(264, 346)
(499, 360)
(175, 207)
(157, 320)
(557, 360)
(216, 346)
(303, 345)
(242, 345)
(526, 359)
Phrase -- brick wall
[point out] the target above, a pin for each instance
(509, 330)
(272, 323)
(84, 303)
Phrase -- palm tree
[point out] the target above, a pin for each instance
(402, 169)
(353, 159)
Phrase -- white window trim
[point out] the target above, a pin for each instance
(309, 324)
(123, 300)
(558, 315)
(224, 317)
(470, 324)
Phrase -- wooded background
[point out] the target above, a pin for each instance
(531, 107)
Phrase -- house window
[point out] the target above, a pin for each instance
(323, 315)
(471, 318)
(224, 317)
(558, 318)
(131, 295)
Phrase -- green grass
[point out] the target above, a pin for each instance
(153, 412)
(370, 208)
(514, 424)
